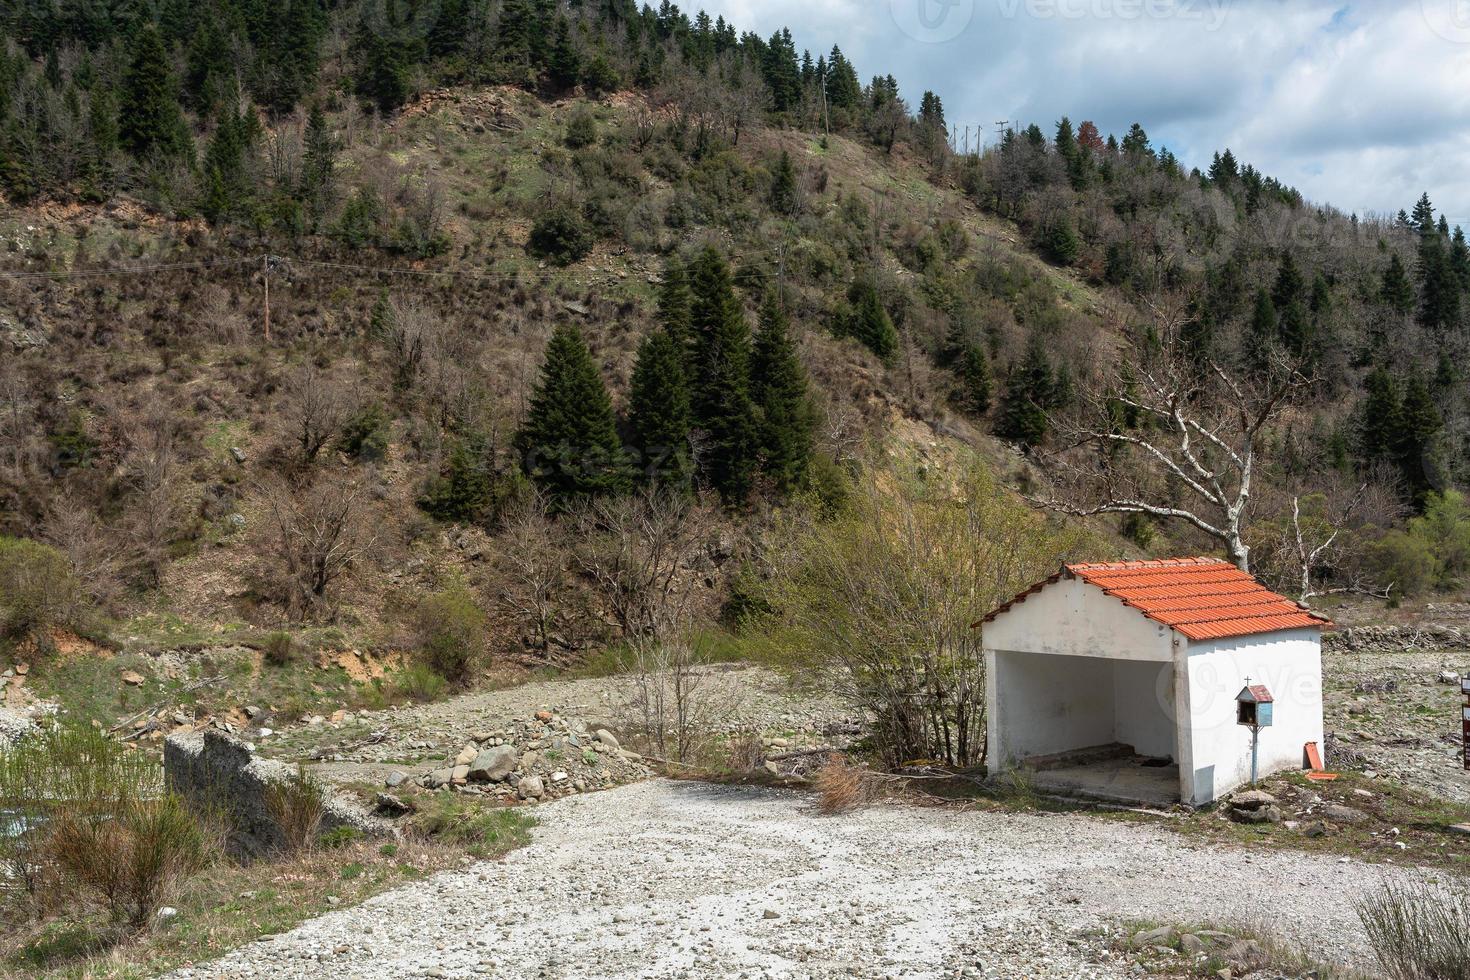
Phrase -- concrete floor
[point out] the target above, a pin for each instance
(1114, 780)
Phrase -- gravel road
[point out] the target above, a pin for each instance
(670, 879)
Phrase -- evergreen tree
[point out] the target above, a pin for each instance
(569, 441)
(843, 89)
(722, 407)
(151, 123)
(1297, 331)
(1440, 286)
(318, 165)
(976, 384)
(783, 186)
(1290, 286)
(1460, 258)
(1420, 422)
(1061, 241)
(463, 491)
(1396, 291)
(1066, 140)
(1261, 341)
(1031, 391)
(778, 387)
(1423, 217)
(675, 312)
(659, 411)
(1380, 424)
(564, 67)
(226, 187)
(931, 111)
(870, 323)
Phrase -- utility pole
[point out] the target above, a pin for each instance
(1000, 130)
(967, 141)
(265, 272)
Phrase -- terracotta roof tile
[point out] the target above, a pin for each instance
(1201, 598)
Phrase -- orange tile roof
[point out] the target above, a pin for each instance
(1201, 598)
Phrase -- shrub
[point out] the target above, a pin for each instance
(296, 807)
(365, 434)
(843, 787)
(421, 683)
(37, 588)
(340, 837)
(452, 629)
(582, 130)
(280, 649)
(1419, 932)
(600, 76)
(561, 235)
(92, 821)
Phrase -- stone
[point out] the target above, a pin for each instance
(543, 716)
(459, 775)
(237, 454)
(132, 677)
(1460, 828)
(466, 755)
(528, 761)
(1161, 936)
(1192, 945)
(1449, 677)
(395, 779)
(252, 711)
(531, 788)
(1252, 799)
(770, 914)
(391, 806)
(438, 779)
(1265, 814)
(607, 738)
(493, 765)
(1338, 813)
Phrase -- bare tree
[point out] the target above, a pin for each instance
(1170, 435)
(1309, 539)
(317, 407)
(641, 553)
(315, 534)
(533, 562)
(74, 529)
(153, 473)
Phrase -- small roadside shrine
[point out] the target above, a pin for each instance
(1151, 681)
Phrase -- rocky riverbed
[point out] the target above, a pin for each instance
(1397, 714)
(666, 879)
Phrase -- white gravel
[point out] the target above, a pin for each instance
(671, 879)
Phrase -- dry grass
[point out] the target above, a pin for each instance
(747, 754)
(297, 806)
(843, 787)
(1419, 932)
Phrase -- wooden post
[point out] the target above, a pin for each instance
(1465, 719)
(265, 270)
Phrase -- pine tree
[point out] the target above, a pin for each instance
(1380, 425)
(783, 186)
(1423, 217)
(778, 387)
(1030, 390)
(870, 323)
(675, 312)
(318, 165)
(1440, 286)
(564, 66)
(151, 123)
(722, 407)
(1296, 330)
(1397, 292)
(976, 383)
(1420, 422)
(1066, 140)
(462, 493)
(1290, 287)
(569, 442)
(659, 412)
(1261, 341)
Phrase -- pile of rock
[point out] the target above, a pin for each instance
(1255, 806)
(1357, 639)
(543, 757)
(13, 726)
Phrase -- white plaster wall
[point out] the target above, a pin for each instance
(1143, 707)
(1074, 619)
(1219, 750)
(1041, 705)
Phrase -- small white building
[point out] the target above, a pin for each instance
(1120, 681)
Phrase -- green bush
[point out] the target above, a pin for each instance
(280, 649)
(452, 629)
(582, 130)
(93, 824)
(561, 235)
(296, 806)
(420, 683)
(340, 837)
(365, 434)
(1433, 552)
(37, 589)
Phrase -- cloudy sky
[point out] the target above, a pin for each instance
(1360, 104)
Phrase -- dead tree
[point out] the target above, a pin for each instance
(316, 534)
(1309, 538)
(1171, 434)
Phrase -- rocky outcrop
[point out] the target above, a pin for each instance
(1361, 639)
(216, 770)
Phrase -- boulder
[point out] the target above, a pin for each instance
(1265, 814)
(1338, 813)
(531, 788)
(492, 765)
(1252, 799)
(607, 738)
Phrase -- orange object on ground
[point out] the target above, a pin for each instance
(1314, 757)
(1322, 777)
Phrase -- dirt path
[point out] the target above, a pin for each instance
(666, 879)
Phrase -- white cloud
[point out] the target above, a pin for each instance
(1358, 104)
